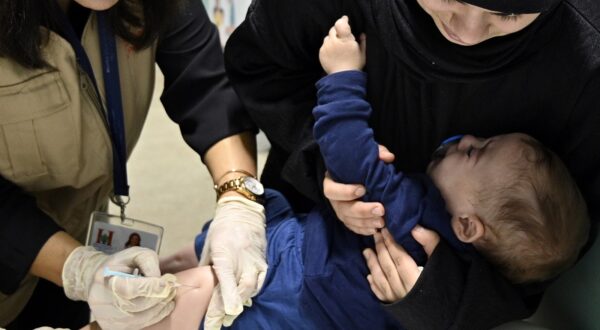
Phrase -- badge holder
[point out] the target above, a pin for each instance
(111, 233)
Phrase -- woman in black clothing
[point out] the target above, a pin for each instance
(436, 68)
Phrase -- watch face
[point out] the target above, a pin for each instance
(254, 186)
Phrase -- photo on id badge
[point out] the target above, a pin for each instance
(110, 235)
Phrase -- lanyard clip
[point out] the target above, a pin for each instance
(121, 202)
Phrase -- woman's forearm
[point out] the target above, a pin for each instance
(50, 260)
(236, 152)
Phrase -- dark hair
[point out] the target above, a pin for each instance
(139, 22)
(540, 220)
(132, 235)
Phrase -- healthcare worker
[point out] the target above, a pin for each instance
(66, 129)
(435, 68)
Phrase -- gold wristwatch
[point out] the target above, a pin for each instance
(247, 186)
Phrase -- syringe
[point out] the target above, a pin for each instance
(108, 273)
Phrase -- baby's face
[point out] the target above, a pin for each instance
(468, 166)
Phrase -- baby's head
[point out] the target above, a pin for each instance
(515, 201)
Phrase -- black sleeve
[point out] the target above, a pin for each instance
(272, 61)
(24, 229)
(197, 94)
(580, 149)
(465, 293)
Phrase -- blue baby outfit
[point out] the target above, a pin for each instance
(317, 275)
(351, 155)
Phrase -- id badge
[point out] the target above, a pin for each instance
(111, 233)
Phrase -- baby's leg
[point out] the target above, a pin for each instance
(191, 300)
(179, 261)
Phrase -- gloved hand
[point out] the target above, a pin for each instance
(119, 302)
(235, 246)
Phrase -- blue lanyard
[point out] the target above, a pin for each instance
(112, 86)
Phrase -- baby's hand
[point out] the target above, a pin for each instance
(340, 51)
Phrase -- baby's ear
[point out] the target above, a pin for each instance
(468, 228)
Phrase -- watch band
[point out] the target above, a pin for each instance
(235, 170)
(238, 186)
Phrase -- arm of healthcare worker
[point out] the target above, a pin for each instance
(272, 61)
(31, 242)
(198, 96)
(24, 229)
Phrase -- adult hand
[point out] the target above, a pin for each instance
(118, 302)
(235, 246)
(393, 272)
(360, 217)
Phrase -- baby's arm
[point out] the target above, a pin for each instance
(347, 142)
(351, 154)
(181, 260)
(191, 300)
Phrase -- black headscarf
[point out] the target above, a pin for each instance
(515, 6)
(410, 34)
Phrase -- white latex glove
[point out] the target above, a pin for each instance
(235, 246)
(119, 302)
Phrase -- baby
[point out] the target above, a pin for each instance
(502, 193)
(506, 197)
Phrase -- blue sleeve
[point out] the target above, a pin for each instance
(351, 154)
(24, 229)
(197, 94)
